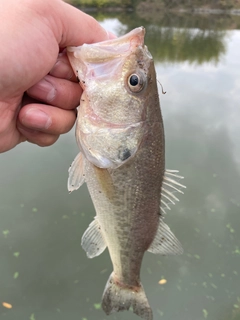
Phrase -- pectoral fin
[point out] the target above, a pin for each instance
(165, 241)
(76, 173)
(92, 240)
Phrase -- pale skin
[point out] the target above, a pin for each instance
(38, 90)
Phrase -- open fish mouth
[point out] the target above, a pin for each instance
(104, 57)
(110, 49)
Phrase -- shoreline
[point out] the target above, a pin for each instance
(203, 11)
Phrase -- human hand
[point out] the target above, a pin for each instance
(38, 90)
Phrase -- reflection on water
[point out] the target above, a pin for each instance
(45, 274)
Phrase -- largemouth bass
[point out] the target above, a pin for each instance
(120, 134)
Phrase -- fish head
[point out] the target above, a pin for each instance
(115, 75)
(118, 79)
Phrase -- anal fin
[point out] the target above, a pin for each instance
(165, 242)
(92, 240)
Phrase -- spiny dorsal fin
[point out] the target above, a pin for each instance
(92, 240)
(76, 173)
(165, 241)
(169, 187)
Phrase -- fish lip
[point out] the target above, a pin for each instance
(109, 49)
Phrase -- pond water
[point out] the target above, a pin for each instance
(44, 272)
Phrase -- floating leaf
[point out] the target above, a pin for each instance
(160, 312)
(97, 306)
(16, 275)
(196, 256)
(65, 217)
(162, 281)
(32, 317)
(213, 285)
(149, 270)
(205, 313)
(103, 271)
(7, 305)
(6, 232)
(34, 209)
(237, 251)
(16, 254)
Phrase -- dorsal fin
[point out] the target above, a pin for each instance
(170, 186)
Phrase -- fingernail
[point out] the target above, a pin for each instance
(111, 35)
(43, 90)
(36, 119)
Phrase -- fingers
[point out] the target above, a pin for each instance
(78, 27)
(62, 68)
(42, 124)
(56, 91)
(40, 138)
(46, 119)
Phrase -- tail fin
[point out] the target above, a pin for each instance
(117, 297)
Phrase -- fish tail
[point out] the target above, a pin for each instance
(119, 297)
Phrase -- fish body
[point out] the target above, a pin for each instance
(120, 134)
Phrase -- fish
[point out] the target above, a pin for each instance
(120, 134)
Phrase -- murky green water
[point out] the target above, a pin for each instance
(45, 274)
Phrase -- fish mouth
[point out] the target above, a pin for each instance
(108, 49)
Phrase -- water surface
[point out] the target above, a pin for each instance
(45, 274)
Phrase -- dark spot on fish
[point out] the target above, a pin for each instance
(78, 80)
(83, 81)
(124, 154)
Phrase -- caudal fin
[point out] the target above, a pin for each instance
(117, 297)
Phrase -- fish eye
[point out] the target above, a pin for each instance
(135, 82)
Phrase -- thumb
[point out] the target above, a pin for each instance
(76, 27)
